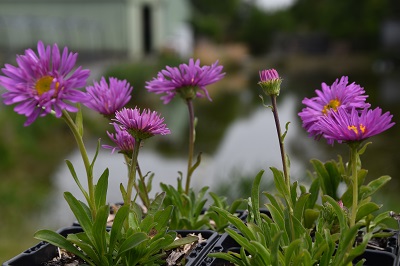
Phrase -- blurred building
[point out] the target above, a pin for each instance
(131, 28)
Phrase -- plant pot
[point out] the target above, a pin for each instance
(199, 253)
(224, 244)
(44, 252)
(377, 258)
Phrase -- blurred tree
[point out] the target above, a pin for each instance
(238, 21)
(357, 22)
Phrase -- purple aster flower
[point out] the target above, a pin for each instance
(107, 99)
(141, 125)
(349, 126)
(186, 80)
(43, 83)
(124, 141)
(270, 82)
(330, 98)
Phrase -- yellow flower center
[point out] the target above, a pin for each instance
(333, 104)
(361, 127)
(44, 84)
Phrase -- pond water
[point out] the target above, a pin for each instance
(237, 138)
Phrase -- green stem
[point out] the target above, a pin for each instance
(89, 172)
(281, 145)
(353, 154)
(144, 197)
(132, 173)
(191, 144)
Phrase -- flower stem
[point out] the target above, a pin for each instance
(191, 144)
(144, 197)
(132, 173)
(281, 145)
(353, 154)
(89, 171)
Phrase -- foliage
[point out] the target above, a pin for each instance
(280, 237)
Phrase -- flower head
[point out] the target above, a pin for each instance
(354, 126)
(270, 82)
(43, 83)
(124, 141)
(329, 99)
(141, 125)
(186, 80)
(107, 99)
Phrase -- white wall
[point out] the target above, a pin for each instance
(110, 26)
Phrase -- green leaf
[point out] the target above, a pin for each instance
(226, 256)
(162, 217)
(181, 241)
(366, 209)
(95, 155)
(263, 252)
(286, 131)
(76, 179)
(123, 191)
(156, 204)
(373, 186)
(243, 241)
(281, 185)
(329, 175)
(131, 242)
(310, 216)
(359, 249)
(277, 216)
(99, 229)
(314, 194)
(363, 148)
(290, 250)
(255, 197)
(100, 193)
(80, 214)
(298, 211)
(275, 249)
(380, 218)
(293, 192)
(60, 241)
(116, 228)
(79, 241)
(237, 222)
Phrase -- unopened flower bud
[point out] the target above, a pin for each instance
(270, 82)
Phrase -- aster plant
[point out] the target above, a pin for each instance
(47, 84)
(108, 98)
(329, 99)
(189, 81)
(353, 127)
(141, 126)
(44, 83)
(299, 228)
(282, 236)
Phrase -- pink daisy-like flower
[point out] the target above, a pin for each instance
(43, 83)
(330, 98)
(186, 80)
(270, 82)
(141, 125)
(124, 141)
(349, 126)
(107, 99)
